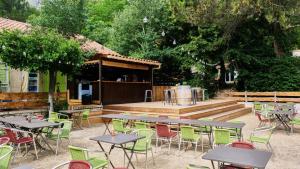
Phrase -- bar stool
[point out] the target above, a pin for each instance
(147, 96)
(169, 96)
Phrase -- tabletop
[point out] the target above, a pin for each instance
(117, 139)
(22, 122)
(71, 111)
(239, 156)
(176, 121)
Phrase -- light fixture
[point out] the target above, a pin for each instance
(163, 33)
(174, 42)
(145, 20)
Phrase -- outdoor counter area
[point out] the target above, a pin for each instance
(139, 84)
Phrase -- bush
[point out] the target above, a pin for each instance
(270, 74)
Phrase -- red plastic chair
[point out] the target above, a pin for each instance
(163, 132)
(39, 117)
(4, 140)
(241, 144)
(18, 141)
(263, 121)
(75, 164)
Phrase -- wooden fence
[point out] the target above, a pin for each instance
(266, 96)
(27, 100)
(158, 92)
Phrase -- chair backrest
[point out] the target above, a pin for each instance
(148, 133)
(257, 106)
(86, 112)
(66, 129)
(162, 130)
(140, 125)
(79, 164)
(187, 132)
(241, 144)
(118, 125)
(4, 141)
(258, 115)
(53, 117)
(40, 117)
(78, 153)
(221, 136)
(11, 135)
(5, 156)
(270, 106)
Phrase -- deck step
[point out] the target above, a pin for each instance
(229, 115)
(213, 111)
(110, 111)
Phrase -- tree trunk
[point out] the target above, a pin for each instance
(222, 83)
(52, 82)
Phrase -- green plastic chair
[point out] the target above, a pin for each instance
(78, 153)
(85, 116)
(62, 133)
(257, 107)
(118, 126)
(293, 122)
(193, 166)
(262, 135)
(56, 117)
(204, 130)
(188, 135)
(141, 125)
(144, 145)
(5, 156)
(222, 137)
(235, 132)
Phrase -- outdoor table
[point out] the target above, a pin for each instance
(118, 141)
(35, 126)
(77, 119)
(116, 116)
(238, 156)
(283, 112)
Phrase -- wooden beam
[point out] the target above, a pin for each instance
(124, 65)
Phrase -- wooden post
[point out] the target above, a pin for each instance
(100, 80)
(246, 98)
(275, 97)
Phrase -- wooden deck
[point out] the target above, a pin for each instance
(207, 108)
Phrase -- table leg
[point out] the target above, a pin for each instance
(281, 120)
(129, 158)
(106, 155)
(106, 128)
(210, 137)
(212, 163)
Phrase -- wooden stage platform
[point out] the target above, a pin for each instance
(217, 109)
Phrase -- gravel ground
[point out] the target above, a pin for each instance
(286, 153)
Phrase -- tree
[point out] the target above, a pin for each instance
(16, 9)
(66, 16)
(100, 15)
(41, 50)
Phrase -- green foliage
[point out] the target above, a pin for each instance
(66, 16)
(40, 50)
(271, 74)
(100, 15)
(16, 9)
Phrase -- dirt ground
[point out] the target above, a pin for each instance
(286, 151)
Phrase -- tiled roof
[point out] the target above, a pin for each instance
(87, 45)
(13, 25)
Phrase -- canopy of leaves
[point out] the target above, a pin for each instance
(100, 15)
(40, 50)
(66, 16)
(16, 9)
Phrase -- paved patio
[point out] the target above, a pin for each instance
(286, 151)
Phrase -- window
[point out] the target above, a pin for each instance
(33, 82)
(4, 79)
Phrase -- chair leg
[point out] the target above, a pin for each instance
(34, 146)
(196, 146)
(152, 157)
(57, 145)
(170, 141)
(156, 144)
(89, 122)
(146, 159)
(179, 145)
(202, 144)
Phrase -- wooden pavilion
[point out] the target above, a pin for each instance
(109, 78)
